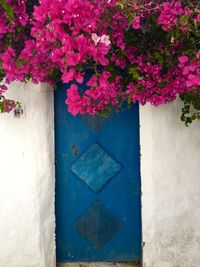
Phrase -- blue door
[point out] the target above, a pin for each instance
(98, 210)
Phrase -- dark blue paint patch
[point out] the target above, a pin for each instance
(96, 122)
(97, 225)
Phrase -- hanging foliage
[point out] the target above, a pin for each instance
(145, 51)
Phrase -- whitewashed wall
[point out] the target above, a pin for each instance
(27, 221)
(171, 188)
(170, 184)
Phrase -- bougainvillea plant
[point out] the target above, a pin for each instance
(136, 51)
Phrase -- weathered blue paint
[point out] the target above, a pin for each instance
(97, 225)
(98, 211)
(96, 122)
(96, 167)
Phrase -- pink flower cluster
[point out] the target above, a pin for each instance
(190, 70)
(20, 19)
(3, 88)
(101, 95)
(156, 87)
(6, 105)
(136, 23)
(170, 13)
(136, 53)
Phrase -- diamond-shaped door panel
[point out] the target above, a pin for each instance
(96, 167)
(97, 225)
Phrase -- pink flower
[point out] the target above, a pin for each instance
(198, 18)
(186, 70)
(79, 77)
(68, 76)
(198, 55)
(187, 11)
(73, 100)
(3, 88)
(183, 59)
(136, 23)
(193, 80)
(169, 14)
(118, 61)
(73, 59)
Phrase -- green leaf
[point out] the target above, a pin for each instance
(8, 9)
(184, 20)
(134, 72)
(191, 107)
(158, 57)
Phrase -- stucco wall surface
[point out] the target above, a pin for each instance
(170, 169)
(27, 180)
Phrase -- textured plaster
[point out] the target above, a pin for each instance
(170, 169)
(27, 221)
